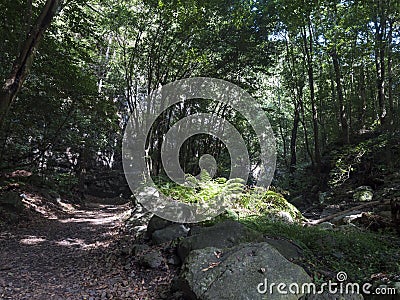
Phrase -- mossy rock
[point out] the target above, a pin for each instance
(363, 194)
(275, 204)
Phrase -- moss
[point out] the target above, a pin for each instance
(261, 202)
(359, 254)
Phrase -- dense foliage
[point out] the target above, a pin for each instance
(324, 71)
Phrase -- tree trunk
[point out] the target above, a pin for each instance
(339, 90)
(310, 71)
(390, 73)
(297, 89)
(306, 139)
(293, 139)
(363, 98)
(23, 63)
(380, 29)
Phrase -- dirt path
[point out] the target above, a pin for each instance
(70, 258)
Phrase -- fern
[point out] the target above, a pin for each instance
(203, 189)
(230, 194)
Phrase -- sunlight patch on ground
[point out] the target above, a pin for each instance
(97, 217)
(80, 243)
(71, 243)
(32, 240)
(44, 206)
(65, 206)
(98, 221)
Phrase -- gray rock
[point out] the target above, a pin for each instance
(347, 218)
(157, 223)
(240, 273)
(363, 194)
(138, 249)
(222, 235)
(152, 259)
(169, 233)
(287, 248)
(174, 260)
(326, 225)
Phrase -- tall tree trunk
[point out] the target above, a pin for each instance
(363, 98)
(296, 103)
(380, 29)
(308, 49)
(293, 139)
(23, 63)
(390, 73)
(339, 90)
(283, 137)
(306, 139)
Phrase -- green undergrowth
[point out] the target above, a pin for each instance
(240, 201)
(202, 189)
(348, 159)
(260, 202)
(360, 254)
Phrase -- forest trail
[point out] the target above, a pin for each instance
(66, 257)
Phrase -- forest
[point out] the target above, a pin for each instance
(280, 118)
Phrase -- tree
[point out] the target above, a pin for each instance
(23, 62)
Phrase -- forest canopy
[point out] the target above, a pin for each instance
(323, 71)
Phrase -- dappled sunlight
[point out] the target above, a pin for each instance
(104, 215)
(103, 220)
(78, 229)
(58, 254)
(65, 206)
(71, 242)
(32, 240)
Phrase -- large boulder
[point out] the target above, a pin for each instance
(222, 235)
(288, 249)
(157, 223)
(169, 233)
(246, 271)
